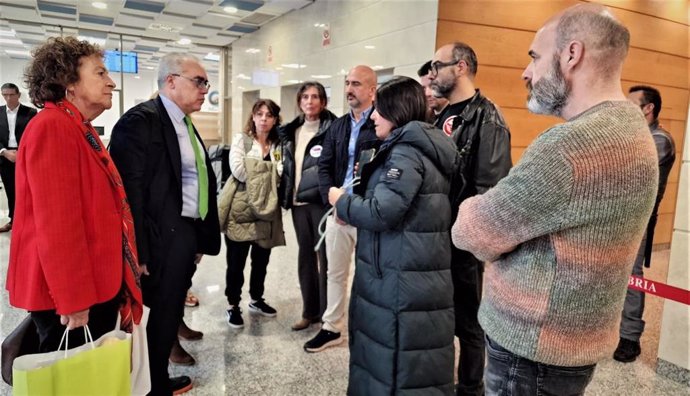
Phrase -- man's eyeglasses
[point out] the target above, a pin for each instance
(198, 81)
(435, 66)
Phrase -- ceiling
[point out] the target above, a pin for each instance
(151, 28)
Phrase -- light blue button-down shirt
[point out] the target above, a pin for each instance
(355, 127)
(190, 176)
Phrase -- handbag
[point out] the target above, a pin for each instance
(21, 341)
(100, 367)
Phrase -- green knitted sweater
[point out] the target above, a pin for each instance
(561, 232)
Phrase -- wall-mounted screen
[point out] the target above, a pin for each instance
(129, 62)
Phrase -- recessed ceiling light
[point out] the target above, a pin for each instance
(252, 50)
(370, 46)
(242, 76)
(19, 53)
(230, 10)
(377, 67)
(184, 41)
(149, 67)
(93, 40)
(212, 57)
(10, 41)
(294, 81)
(321, 76)
(137, 77)
(293, 66)
(100, 5)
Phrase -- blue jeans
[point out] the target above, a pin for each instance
(511, 375)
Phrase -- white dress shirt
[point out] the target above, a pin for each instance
(12, 124)
(190, 176)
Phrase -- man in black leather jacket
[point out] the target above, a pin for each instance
(483, 140)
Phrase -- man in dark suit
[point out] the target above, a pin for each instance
(171, 190)
(13, 119)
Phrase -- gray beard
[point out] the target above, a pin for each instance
(549, 95)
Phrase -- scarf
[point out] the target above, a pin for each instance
(131, 309)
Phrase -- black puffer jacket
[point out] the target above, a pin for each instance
(401, 306)
(308, 189)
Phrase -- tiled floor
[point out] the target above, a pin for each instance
(266, 357)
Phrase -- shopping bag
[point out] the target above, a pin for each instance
(100, 367)
(141, 374)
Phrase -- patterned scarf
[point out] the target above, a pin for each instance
(132, 305)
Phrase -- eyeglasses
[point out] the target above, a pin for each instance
(440, 65)
(198, 81)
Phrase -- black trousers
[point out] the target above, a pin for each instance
(102, 319)
(467, 273)
(164, 293)
(311, 266)
(7, 175)
(236, 258)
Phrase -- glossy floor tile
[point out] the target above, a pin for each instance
(266, 357)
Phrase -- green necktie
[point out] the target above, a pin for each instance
(200, 169)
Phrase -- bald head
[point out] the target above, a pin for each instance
(360, 87)
(606, 40)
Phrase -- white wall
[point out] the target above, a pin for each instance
(402, 32)
(136, 87)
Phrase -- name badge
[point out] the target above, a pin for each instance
(316, 151)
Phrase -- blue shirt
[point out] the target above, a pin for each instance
(355, 127)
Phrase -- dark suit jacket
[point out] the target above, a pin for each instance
(24, 114)
(146, 152)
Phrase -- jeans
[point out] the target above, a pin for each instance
(511, 375)
(632, 324)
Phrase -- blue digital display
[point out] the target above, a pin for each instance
(130, 62)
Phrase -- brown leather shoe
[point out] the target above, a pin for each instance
(6, 228)
(303, 324)
(188, 334)
(179, 356)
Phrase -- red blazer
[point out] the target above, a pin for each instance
(66, 245)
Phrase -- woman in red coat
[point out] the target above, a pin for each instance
(72, 253)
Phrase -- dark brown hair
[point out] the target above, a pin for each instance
(319, 88)
(401, 100)
(274, 109)
(54, 66)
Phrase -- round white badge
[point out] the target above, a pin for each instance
(448, 125)
(316, 151)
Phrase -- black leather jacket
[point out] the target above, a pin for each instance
(334, 158)
(308, 189)
(483, 140)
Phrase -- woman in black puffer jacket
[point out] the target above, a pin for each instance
(401, 305)
(302, 139)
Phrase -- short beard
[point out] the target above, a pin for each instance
(443, 89)
(550, 94)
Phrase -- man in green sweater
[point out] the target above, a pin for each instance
(561, 231)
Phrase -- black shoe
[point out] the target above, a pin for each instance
(323, 340)
(180, 385)
(235, 317)
(260, 307)
(627, 351)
